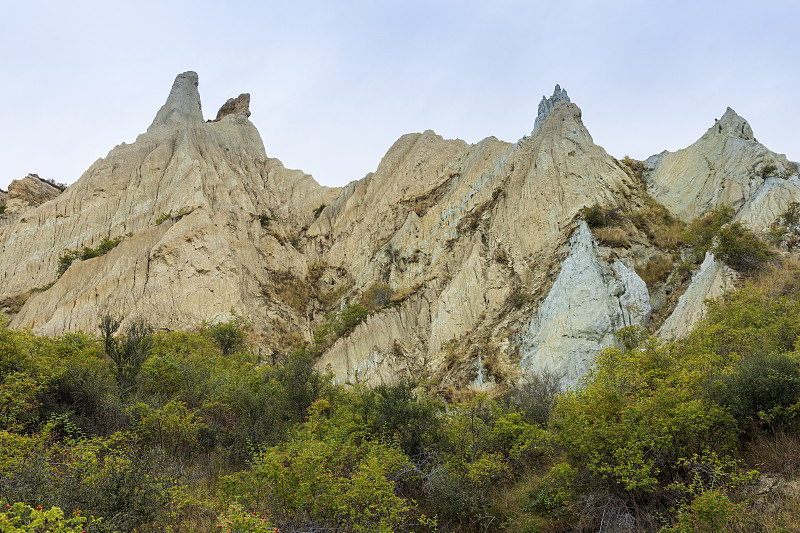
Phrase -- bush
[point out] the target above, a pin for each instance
(598, 216)
(129, 352)
(739, 248)
(702, 230)
(535, 396)
(761, 384)
(229, 335)
(637, 431)
(70, 256)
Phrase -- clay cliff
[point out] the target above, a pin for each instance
(470, 264)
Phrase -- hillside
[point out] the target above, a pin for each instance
(472, 264)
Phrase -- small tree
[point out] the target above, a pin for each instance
(128, 353)
(230, 335)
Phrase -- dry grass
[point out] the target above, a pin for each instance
(613, 236)
(776, 453)
(293, 291)
(778, 278)
(633, 167)
(13, 304)
(777, 457)
(656, 270)
(660, 226)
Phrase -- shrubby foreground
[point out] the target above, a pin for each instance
(181, 431)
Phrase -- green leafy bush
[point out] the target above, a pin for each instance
(229, 335)
(597, 216)
(701, 231)
(739, 248)
(70, 256)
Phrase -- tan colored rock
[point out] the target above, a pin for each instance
(478, 239)
(469, 223)
(240, 104)
(207, 184)
(31, 191)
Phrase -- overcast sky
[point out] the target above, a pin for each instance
(334, 84)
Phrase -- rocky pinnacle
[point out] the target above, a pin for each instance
(183, 104)
(547, 105)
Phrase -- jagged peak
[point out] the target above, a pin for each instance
(183, 103)
(547, 105)
(734, 125)
(240, 104)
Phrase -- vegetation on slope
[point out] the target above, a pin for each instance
(191, 432)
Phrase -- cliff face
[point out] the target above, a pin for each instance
(186, 199)
(492, 273)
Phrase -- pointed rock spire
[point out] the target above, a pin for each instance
(733, 124)
(547, 105)
(183, 104)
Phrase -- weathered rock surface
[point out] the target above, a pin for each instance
(547, 105)
(496, 275)
(586, 305)
(207, 184)
(708, 283)
(240, 104)
(725, 166)
(30, 191)
(467, 224)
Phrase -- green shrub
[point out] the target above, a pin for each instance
(702, 230)
(129, 352)
(264, 219)
(739, 248)
(70, 256)
(163, 218)
(229, 335)
(319, 210)
(2, 209)
(760, 384)
(792, 214)
(22, 518)
(598, 216)
(339, 323)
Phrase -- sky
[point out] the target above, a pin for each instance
(334, 83)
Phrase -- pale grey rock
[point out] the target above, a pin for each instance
(547, 105)
(183, 104)
(27, 193)
(586, 305)
(710, 282)
(735, 126)
(725, 166)
(769, 202)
